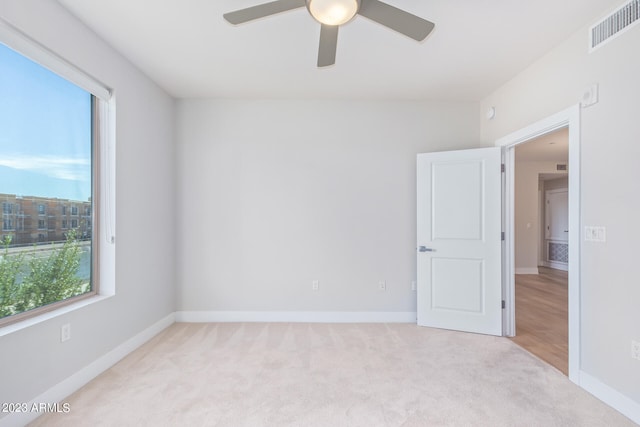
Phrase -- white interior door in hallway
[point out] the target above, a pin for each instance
(557, 228)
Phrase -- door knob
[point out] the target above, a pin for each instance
(425, 249)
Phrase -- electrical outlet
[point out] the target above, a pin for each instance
(315, 285)
(413, 285)
(65, 332)
(635, 350)
(382, 285)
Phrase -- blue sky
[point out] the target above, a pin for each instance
(45, 131)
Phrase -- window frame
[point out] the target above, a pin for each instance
(102, 177)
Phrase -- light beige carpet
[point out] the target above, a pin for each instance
(283, 374)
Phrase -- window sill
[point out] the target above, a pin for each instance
(26, 323)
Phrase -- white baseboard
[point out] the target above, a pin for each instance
(298, 316)
(60, 391)
(556, 265)
(527, 270)
(618, 401)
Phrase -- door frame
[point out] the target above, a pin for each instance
(567, 118)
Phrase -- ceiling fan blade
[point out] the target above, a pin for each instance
(328, 45)
(262, 10)
(398, 20)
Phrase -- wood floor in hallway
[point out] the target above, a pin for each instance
(542, 316)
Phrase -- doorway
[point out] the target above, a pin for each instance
(570, 119)
(541, 247)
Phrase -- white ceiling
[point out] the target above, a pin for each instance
(477, 45)
(551, 147)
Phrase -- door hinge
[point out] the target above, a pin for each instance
(504, 305)
(502, 235)
(502, 167)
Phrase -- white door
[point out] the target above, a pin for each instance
(557, 215)
(459, 240)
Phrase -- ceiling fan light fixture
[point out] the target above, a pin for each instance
(333, 12)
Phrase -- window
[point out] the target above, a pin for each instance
(7, 224)
(50, 131)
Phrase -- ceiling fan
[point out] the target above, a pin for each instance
(333, 13)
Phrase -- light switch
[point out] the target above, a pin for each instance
(595, 234)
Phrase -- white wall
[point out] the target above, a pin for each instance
(528, 221)
(609, 186)
(274, 194)
(33, 360)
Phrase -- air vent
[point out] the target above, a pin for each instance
(615, 24)
(560, 167)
